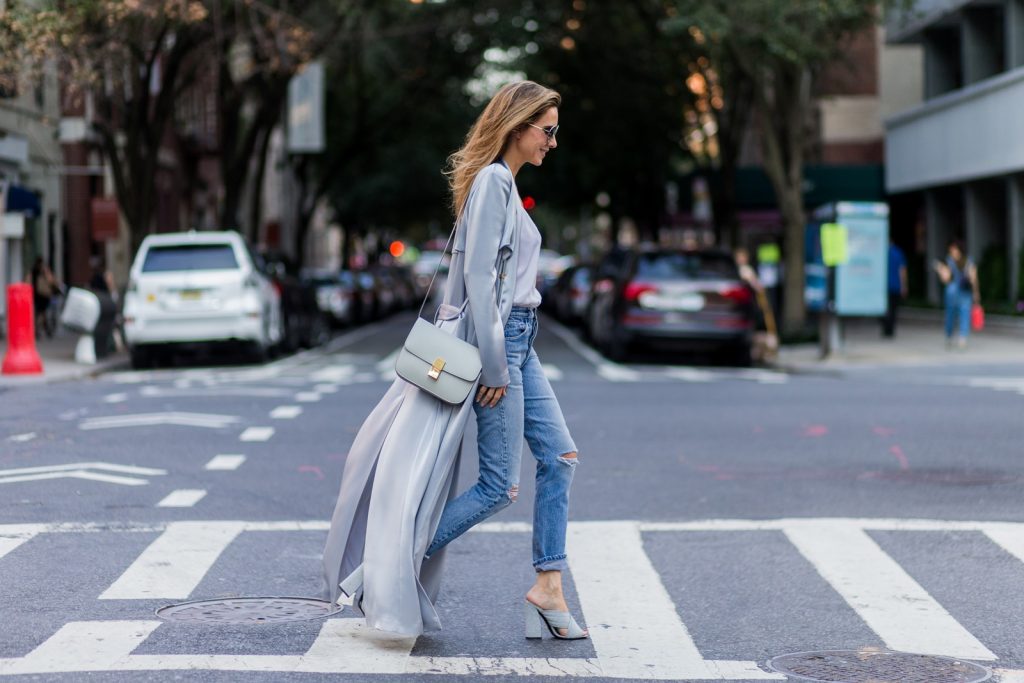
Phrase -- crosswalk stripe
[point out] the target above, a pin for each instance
(552, 372)
(631, 617)
(1009, 538)
(225, 462)
(286, 412)
(365, 651)
(13, 535)
(256, 434)
(83, 646)
(888, 599)
(182, 498)
(174, 564)
(617, 373)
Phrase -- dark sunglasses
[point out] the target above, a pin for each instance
(550, 131)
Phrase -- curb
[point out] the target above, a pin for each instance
(75, 375)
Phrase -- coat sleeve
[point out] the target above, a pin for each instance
(486, 210)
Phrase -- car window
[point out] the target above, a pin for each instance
(685, 265)
(160, 259)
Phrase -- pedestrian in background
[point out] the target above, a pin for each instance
(396, 511)
(960, 278)
(897, 288)
(44, 286)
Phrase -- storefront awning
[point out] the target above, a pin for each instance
(22, 200)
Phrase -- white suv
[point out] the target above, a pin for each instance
(189, 287)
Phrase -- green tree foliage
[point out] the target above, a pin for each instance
(778, 48)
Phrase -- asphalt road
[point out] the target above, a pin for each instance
(721, 517)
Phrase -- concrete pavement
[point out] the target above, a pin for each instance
(919, 341)
(58, 357)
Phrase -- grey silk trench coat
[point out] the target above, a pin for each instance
(402, 466)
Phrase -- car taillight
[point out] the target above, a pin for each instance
(277, 287)
(740, 295)
(635, 289)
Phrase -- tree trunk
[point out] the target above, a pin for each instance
(781, 104)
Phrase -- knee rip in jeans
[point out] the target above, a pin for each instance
(568, 459)
(513, 493)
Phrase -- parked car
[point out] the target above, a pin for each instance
(423, 270)
(550, 265)
(305, 326)
(666, 297)
(335, 295)
(400, 293)
(570, 295)
(198, 288)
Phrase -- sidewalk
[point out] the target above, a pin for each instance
(58, 356)
(919, 341)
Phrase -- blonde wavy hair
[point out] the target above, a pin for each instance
(508, 112)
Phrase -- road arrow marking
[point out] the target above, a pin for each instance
(153, 419)
(80, 470)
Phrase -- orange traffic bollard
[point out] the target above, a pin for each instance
(22, 357)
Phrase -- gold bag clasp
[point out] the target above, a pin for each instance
(435, 369)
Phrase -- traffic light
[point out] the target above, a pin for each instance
(397, 248)
(529, 203)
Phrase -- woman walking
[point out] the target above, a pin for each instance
(401, 469)
(960, 278)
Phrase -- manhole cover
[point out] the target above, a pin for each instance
(248, 610)
(877, 666)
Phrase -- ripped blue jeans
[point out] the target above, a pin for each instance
(528, 408)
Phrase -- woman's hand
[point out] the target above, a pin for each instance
(489, 396)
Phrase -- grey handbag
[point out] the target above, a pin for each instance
(436, 361)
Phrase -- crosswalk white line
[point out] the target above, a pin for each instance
(83, 646)
(333, 373)
(13, 535)
(552, 372)
(1009, 538)
(174, 564)
(256, 434)
(888, 599)
(365, 651)
(225, 462)
(286, 412)
(617, 373)
(631, 617)
(182, 498)
(307, 397)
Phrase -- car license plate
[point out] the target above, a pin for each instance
(689, 302)
(191, 294)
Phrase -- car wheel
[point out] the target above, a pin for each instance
(739, 356)
(141, 358)
(616, 346)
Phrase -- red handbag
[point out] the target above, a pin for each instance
(977, 317)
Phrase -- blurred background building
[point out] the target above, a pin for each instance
(954, 163)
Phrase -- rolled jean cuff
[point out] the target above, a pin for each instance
(555, 563)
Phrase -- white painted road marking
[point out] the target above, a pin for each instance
(120, 397)
(225, 462)
(888, 599)
(80, 470)
(174, 564)
(636, 631)
(182, 498)
(84, 646)
(13, 535)
(285, 412)
(256, 434)
(22, 438)
(307, 397)
(636, 634)
(552, 372)
(152, 419)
